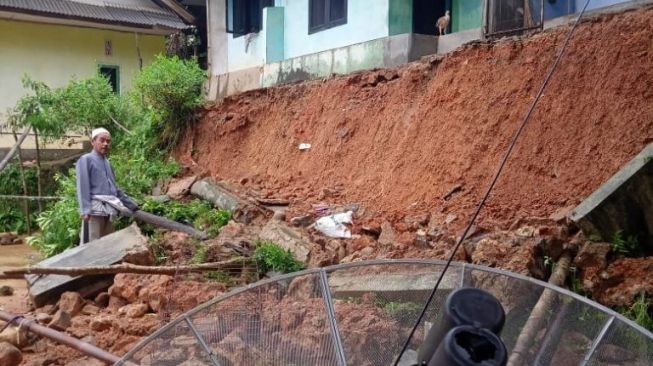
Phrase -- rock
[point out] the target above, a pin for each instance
(89, 339)
(366, 252)
(371, 230)
(417, 221)
(6, 290)
(178, 188)
(43, 318)
(134, 310)
(10, 355)
(450, 218)
(421, 239)
(90, 309)
(184, 341)
(86, 361)
(525, 232)
(388, 235)
(8, 238)
(614, 354)
(15, 336)
(488, 252)
(287, 237)
(60, 321)
(116, 302)
(302, 221)
(561, 215)
(102, 299)
(71, 302)
(593, 255)
(100, 324)
(49, 309)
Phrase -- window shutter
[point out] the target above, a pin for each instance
(317, 13)
(337, 10)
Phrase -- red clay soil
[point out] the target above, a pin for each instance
(397, 140)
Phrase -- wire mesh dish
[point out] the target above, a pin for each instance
(361, 313)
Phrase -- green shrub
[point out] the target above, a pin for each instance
(628, 247)
(271, 257)
(173, 88)
(60, 224)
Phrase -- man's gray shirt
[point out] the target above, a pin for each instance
(95, 177)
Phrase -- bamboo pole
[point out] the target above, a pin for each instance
(22, 176)
(519, 355)
(38, 171)
(233, 263)
(12, 151)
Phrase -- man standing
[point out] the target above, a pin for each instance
(100, 200)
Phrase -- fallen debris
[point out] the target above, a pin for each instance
(335, 226)
(107, 250)
(220, 196)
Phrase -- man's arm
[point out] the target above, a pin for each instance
(83, 186)
(122, 196)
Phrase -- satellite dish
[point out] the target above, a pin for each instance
(361, 313)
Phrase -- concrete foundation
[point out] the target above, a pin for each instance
(624, 203)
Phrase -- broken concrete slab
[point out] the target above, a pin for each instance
(108, 250)
(623, 203)
(222, 197)
(287, 237)
(344, 284)
(178, 188)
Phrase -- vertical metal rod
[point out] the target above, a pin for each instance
(462, 274)
(331, 317)
(202, 341)
(597, 341)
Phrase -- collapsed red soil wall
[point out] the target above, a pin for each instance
(398, 140)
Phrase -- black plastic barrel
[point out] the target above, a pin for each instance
(464, 306)
(467, 345)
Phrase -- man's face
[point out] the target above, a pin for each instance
(102, 143)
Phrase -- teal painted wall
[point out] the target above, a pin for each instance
(400, 17)
(466, 14)
(274, 31)
(366, 20)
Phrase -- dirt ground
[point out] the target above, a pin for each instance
(398, 140)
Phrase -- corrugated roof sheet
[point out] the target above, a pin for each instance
(108, 13)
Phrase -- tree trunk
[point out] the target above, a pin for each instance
(169, 224)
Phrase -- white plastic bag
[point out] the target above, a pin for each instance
(334, 225)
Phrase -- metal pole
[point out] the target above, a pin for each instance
(62, 338)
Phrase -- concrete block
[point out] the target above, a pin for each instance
(624, 202)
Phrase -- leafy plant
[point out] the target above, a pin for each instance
(399, 310)
(628, 247)
(639, 311)
(222, 277)
(199, 256)
(173, 88)
(76, 107)
(197, 213)
(272, 257)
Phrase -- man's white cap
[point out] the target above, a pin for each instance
(98, 131)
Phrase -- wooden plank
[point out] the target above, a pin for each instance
(108, 250)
